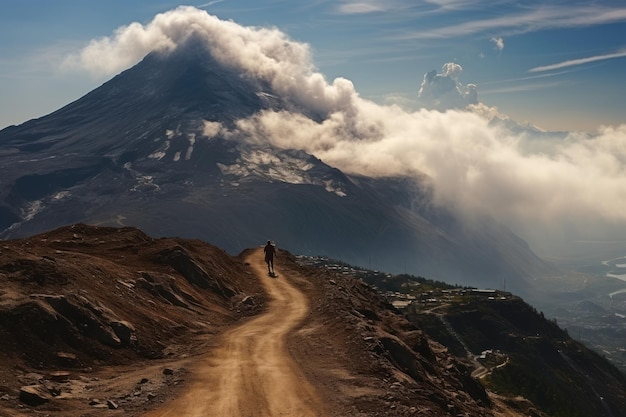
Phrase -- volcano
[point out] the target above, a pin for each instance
(157, 148)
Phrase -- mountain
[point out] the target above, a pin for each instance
(155, 148)
(97, 318)
(520, 353)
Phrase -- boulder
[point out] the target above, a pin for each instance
(124, 330)
(59, 376)
(34, 395)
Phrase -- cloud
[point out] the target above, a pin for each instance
(451, 4)
(209, 4)
(498, 42)
(444, 91)
(532, 20)
(360, 7)
(262, 53)
(580, 61)
(539, 183)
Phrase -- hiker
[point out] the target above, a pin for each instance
(269, 251)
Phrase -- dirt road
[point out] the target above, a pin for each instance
(251, 374)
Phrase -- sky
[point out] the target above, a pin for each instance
(559, 65)
(465, 93)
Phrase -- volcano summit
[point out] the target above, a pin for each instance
(181, 145)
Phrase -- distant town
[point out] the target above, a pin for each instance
(402, 290)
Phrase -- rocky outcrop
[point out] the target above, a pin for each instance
(34, 395)
(82, 293)
(185, 264)
(84, 317)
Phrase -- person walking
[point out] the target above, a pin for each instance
(270, 251)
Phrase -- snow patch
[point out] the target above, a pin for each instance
(280, 167)
(61, 195)
(143, 181)
(161, 153)
(234, 170)
(157, 155)
(330, 187)
(192, 142)
(31, 209)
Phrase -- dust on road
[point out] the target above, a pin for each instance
(251, 373)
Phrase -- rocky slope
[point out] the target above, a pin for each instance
(98, 318)
(81, 299)
(521, 354)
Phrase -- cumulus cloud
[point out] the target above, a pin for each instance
(445, 91)
(261, 53)
(534, 181)
(549, 189)
(498, 43)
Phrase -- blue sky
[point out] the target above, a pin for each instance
(560, 65)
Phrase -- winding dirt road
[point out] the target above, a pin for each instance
(251, 374)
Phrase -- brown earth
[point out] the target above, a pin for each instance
(252, 373)
(103, 321)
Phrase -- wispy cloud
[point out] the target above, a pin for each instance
(447, 5)
(528, 21)
(521, 88)
(363, 6)
(209, 4)
(351, 7)
(580, 61)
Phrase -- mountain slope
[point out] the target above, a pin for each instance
(95, 317)
(524, 354)
(94, 312)
(156, 148)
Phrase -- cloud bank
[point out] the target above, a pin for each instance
(543, 185)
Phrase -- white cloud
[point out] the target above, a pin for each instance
(445, 91)
(368, 6)
(536, 182)
(211, 129)
(580, 61)
(360, 7)
(540, 185)
(451, 4)
(531, 20)
(209, 4)
(498, 42)
(261, 53)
